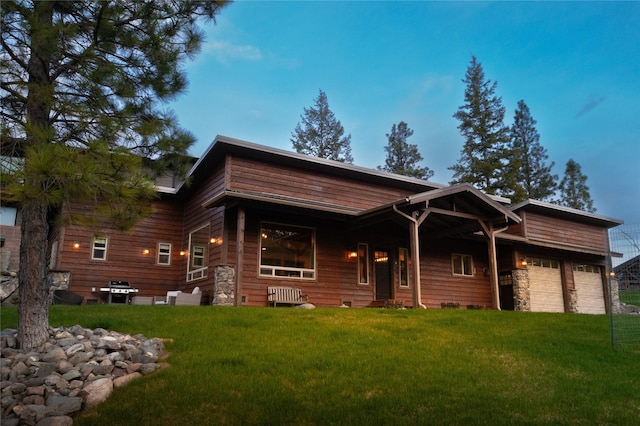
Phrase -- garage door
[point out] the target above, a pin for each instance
(590, 292)
(545, 286)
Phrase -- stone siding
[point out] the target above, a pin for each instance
(521, 293)
(224, 287)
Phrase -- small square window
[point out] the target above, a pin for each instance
(462, 264)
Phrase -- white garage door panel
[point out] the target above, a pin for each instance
(545, 289)
(590, 293)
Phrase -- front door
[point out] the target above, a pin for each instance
(382, 273)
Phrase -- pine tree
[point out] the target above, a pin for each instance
(573, 188)
(532, 178)
(322, 135)
(402, 157)
(81, 85)
(483, 156)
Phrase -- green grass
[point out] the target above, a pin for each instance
(630, 296)
(244, 366)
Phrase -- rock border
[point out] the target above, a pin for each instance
(76, 369)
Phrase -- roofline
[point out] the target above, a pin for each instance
(449, 190)
(464, 187)
(221, 141)
(611, 222)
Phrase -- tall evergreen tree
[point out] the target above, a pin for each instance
(532, 178)
(81, 86)
(321, 134)
(402, 157)
(483, 156)
(573, 188)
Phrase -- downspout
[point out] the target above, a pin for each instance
(414, 239)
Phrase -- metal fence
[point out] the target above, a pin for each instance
(625, 286)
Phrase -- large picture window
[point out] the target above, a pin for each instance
(462, 264)
(287, 251)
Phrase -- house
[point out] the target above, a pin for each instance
(255, 216)
(628, 274)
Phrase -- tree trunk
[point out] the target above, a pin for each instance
(33, 316)
(33, 313)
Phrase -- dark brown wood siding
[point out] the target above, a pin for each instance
(439, 285)
(195, 217)
(125, 259)
(336, 278)
(565, 231)
(250, 175)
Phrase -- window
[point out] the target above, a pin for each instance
(99, 251)
(198, 265)
(462, 264)
(587, 268)
(505, 278)
(363, 263)
(287, 251)
(403, 267)
(8, 216)
(543, 263)
(197, 260)
(164, 254)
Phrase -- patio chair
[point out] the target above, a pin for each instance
(189, 299)
(168, 299)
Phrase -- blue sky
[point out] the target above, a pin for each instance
(575, 64)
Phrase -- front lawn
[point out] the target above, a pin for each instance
(366, 366)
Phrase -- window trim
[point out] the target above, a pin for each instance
(287, 272)
(462, 265)
(102, 249)
(167, 254)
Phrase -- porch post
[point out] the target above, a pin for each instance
(414, 242)
(493, 262)
(415, 255)
(239, 255)
(493, 269)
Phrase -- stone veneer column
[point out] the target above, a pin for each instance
(616, 307)
(573, 300)
(224, 287)
(521, 294)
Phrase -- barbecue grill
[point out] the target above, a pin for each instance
(119, 290)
